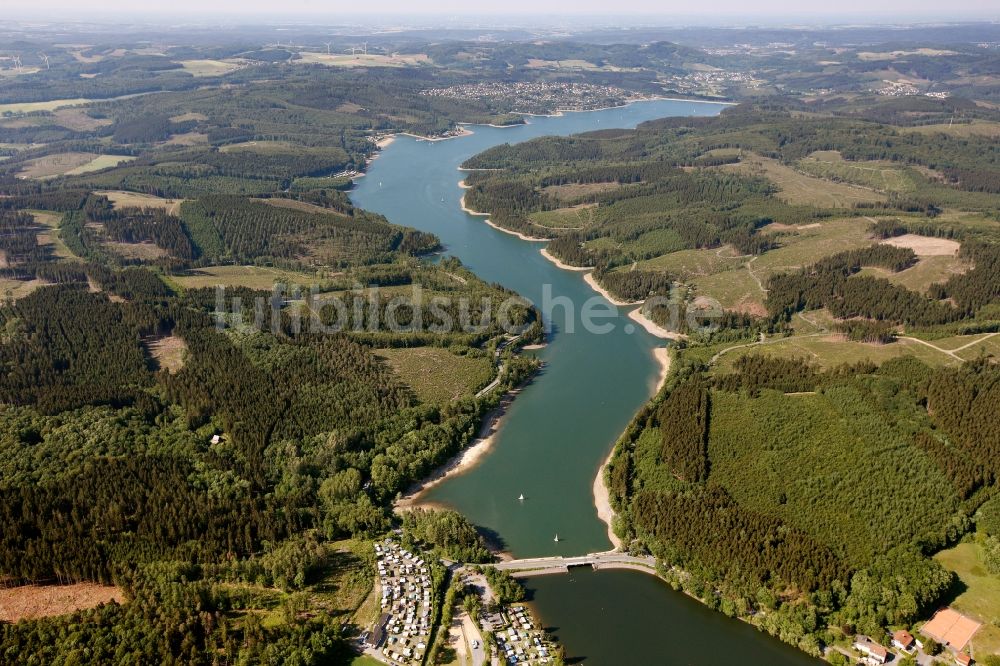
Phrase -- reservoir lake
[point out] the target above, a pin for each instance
(558, 431)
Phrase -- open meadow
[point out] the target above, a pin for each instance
(979, 595)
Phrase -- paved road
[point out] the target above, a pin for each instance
(605, 560)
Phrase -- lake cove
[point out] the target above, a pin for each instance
(556, 434)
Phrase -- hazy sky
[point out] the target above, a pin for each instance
(900, 11)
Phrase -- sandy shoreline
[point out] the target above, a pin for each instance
(463, 461)
(466, 209)
(602, 500)
(462, 131)
(602, 497)
(653, 328)
(565, 267)
(592, 281)
(524, 237)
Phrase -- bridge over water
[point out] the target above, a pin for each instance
(536, 566)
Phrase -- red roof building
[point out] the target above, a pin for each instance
(903, 640)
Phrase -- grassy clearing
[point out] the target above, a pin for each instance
(347, 580)
(168, 352)
(980, 598)
(76, 118)
(365, 660)
(69, 164)
(266, 147)
(145, 251)
(34, 601)
(252, 277)
(100, 162)
(688, 264)
(976, 128)
(55, 165)
(832, 350)
(989, 346)
(199, 68)
(924, 273)
(184, 117)
(878, 175)
(362, 60)
(742, 287)
(133, 199)
(800, 188)
(340, 588)
(187, 139)
(18, 288)
(437, 375)
(51, 105)
(735, 289)
(738, 282)
(576, 217)
(804, 245)
(303, 206)
(51, 236)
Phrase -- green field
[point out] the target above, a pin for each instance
(801, 188)
(831, 350)
(365, 660)
(976, 128)
(881, 176)
(363, 60)
(51, 105)
(98, 163)
(739, 284)
(927, 271)
(688, 264)
(989, 346)
(436, 374)
(576, 217)
(252, 277)
(200, 68)
(980, 598)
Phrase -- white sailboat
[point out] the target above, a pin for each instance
(557, 538)
(521, 497)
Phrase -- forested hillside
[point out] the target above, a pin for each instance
(216, 376)
(827, 434)
(173, 428)
(829, 488)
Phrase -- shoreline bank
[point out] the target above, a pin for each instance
(602, 501)
(561, 112)
(592, 282)
(462, 461)
(462, 131)
(559, 264)
(518, 234)
(652, 327)
(469, 211)
(602, 496)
